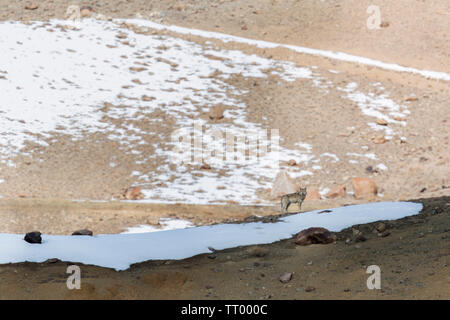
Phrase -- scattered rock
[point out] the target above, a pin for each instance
(339, 191)
(292, 163)
(282, 185)
(384, 24)
(381, 227)
(144, 97)
(51, 261)
(314, 236)
(312, 194)
(384, 234)
(133, 193)
(364, 188)
(257, 251)
(33, 237)
(244, 27)
(205, 166)
(360, 238)
(216, 113)
(370, 169)
(382, 122)
(286, 277)
(86, 11)
(412, 98)
(310, 289)
(32, 5)
(83, 232)
(379, 140)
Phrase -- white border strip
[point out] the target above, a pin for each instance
(266, 44)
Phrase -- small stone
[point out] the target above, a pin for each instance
(364, 188)
(314, 236)
(412, 98)
(133, 193)
(382, 122)
(244, 27)
(360, 238)
(379, 140)
(381, 227)
(384, 234)
(51, 261)
(83, 232)
(257, 251)
(86, 11)
(205, 166)
(212, 256)
(339, 191)
(32, 5)
(286, 277)
(33, 237)
(216, 113)
(310, 289)
(384, 24)
(292, 163)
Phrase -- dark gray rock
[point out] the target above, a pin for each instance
(33, 237)
(83, 232)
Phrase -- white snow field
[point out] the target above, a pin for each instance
(121, 250)
(56, 76)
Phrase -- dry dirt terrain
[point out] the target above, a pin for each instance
(414, 261)
(38, 191)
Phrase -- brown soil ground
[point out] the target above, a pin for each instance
(414, 262)
(413, 258)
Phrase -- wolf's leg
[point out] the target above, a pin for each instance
(287, 206)
(300, 205)
(282, 205)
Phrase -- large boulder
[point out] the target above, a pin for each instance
(364, 188)
(314, 236)
(338, 191)
(283, 184)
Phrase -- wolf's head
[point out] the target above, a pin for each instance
(302, 192)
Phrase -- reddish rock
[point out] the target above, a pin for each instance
(364, 188)
(86, 11)
(338, 191)
(379, 140)
(83, 232)
(32, 5)
(312, 194)
(282, 185)
(205, 166)
(133, 193)
(314, 236)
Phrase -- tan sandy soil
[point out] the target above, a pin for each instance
(414, 262)
(414, 258)
(70, 169)
(417, 35)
